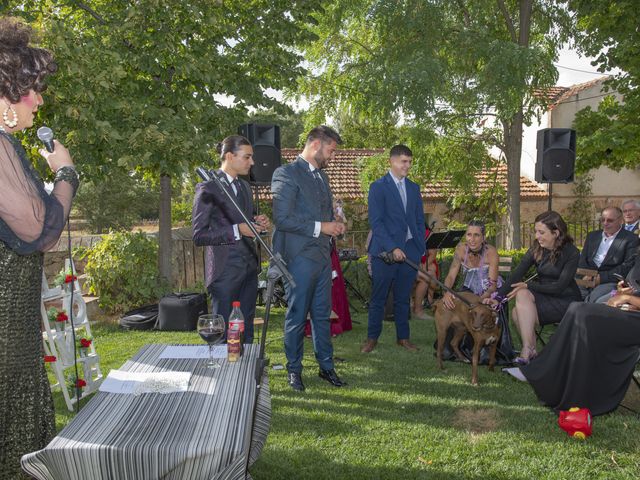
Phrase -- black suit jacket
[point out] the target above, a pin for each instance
(212, 219)
(619, 259)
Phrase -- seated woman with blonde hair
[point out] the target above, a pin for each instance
(479, 263)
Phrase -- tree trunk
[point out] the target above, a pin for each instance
(513, 152)
(164, 234)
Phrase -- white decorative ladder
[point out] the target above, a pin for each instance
(59, 345)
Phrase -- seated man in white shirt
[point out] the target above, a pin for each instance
(610, 251)
(631, 214)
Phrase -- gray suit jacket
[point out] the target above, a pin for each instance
(298, 203)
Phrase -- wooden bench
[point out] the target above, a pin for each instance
(504, 267)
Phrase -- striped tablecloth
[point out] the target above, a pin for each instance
(199, 434)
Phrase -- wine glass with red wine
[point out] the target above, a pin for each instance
(211, 329)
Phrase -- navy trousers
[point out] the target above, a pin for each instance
(238, 281)
(312, 294)
(400, 277)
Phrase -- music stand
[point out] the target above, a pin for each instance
(448, 239)
(348, 255)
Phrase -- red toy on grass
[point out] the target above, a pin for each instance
(577, 422)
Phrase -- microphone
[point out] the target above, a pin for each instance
(207, 175)
(204, 174)
(45, 134)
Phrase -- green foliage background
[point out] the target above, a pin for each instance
(610, 136)
(122, 271)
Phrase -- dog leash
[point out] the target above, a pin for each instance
(387, 257)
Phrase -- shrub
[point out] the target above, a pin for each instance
(122, 271)
(181, 211)
(116, 202)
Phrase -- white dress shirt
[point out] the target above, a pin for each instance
(604, 247)
(236, 229)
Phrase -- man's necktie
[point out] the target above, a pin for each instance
(403, 194)
(319, 181)
(237, 187)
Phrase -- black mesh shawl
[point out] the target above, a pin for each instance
(30, 218)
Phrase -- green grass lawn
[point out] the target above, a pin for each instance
(402, 418)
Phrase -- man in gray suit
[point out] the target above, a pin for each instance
(304, 225)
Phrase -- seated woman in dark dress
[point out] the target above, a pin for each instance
(545, 299)
(589, 361)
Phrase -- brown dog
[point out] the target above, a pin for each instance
(479, 320)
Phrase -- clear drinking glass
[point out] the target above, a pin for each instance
(211, 329)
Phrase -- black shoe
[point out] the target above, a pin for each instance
(331, 377)
(295, 381)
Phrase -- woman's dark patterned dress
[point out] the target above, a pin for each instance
(27, 420)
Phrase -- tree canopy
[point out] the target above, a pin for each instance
(141, 85)
(444, 66)
(610, 136)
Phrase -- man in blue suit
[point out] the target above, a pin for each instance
(304, 225)
(396, 219)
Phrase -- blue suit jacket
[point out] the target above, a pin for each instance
(297, 206)
(389, 221)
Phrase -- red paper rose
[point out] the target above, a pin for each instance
(85, 342)
(49, 358)
(81, 383)
(62, 317)
(69, 278)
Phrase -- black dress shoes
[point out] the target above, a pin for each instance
(295, 381)
(331, 377)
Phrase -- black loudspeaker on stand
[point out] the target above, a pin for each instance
(265, 140)
(556, 155)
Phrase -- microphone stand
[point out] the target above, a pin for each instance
(277, 269)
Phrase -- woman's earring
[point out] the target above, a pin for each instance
(5, 117)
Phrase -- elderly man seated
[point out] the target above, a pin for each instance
(609, 252)
(631, 214)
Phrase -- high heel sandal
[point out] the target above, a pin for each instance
(525, 361)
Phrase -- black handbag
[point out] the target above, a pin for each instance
(180, 311)
(142, 318)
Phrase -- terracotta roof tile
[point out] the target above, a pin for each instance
(577, 88)
(343, 177)
(550, 94)
(529, 190)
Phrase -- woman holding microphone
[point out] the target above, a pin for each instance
(31, 221)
